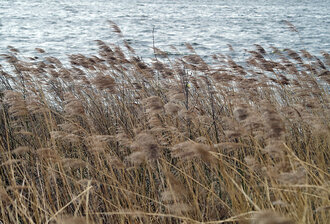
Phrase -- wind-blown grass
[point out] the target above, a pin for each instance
(113, 139)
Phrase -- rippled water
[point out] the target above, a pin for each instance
(64, 27)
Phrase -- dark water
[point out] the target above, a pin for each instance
(64, 27)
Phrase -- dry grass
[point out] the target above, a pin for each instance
(113, 139)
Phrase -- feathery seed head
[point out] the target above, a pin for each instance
(269, 217)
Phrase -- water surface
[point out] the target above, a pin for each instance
(64, 27)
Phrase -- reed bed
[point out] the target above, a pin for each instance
(111, 138)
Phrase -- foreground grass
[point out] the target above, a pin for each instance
(112, 139)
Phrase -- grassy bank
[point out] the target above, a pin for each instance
(112, 139)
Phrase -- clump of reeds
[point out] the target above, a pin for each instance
(112, 138)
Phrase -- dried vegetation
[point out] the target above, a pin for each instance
(111, 138)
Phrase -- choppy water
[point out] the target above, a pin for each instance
(64, 27)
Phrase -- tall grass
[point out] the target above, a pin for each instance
(113, 139)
